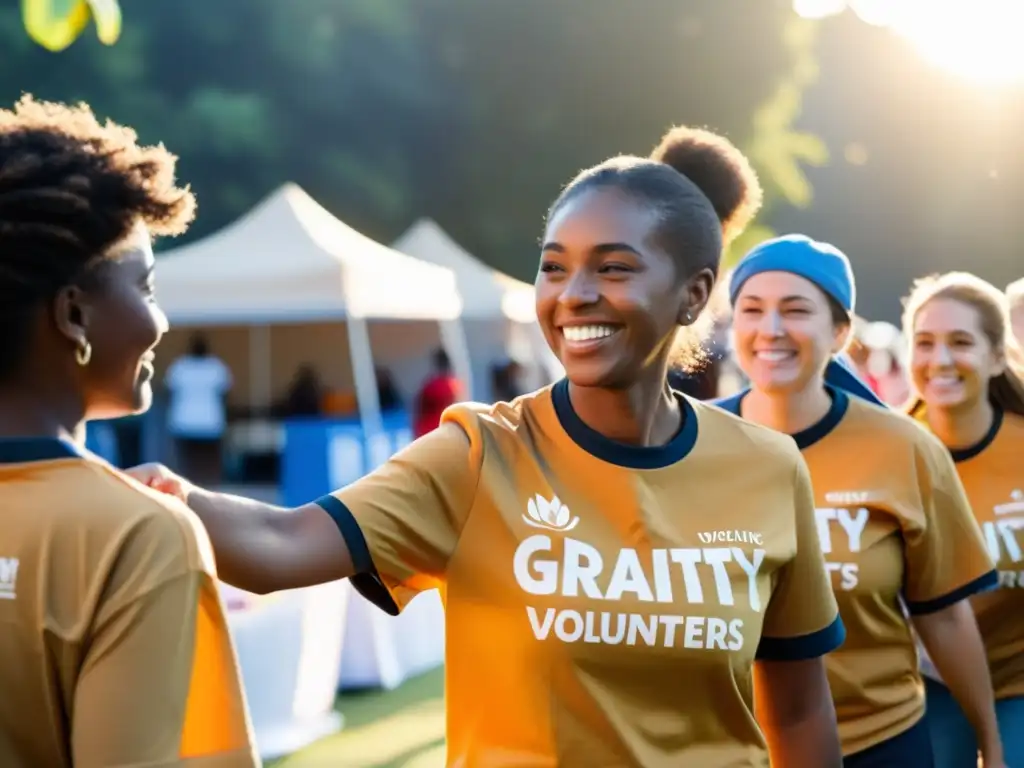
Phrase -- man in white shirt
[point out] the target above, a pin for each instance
(198, 383)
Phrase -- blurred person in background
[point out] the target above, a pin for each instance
(556, 516)
(441, 390)
(895, 524)
(114, 647)
(305, 396)
(875, 353)
(387, 391)
(883, 362)
(506, 378)
(856, 352)
(198, 384)
(970, 394)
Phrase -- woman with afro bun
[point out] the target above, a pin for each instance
(619, 562)
(114, 648)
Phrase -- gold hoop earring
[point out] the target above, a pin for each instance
(83, 353)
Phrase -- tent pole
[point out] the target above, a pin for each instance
(453, 339)
(260, 367)
(364, 376)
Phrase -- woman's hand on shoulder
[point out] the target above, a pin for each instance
(160, 478)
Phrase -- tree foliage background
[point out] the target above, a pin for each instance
(474, 113)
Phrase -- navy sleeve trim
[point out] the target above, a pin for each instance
(803, 647)
(350, 531)
(366, 581)
(981, 584)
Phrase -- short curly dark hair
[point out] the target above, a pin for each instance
(70, 189)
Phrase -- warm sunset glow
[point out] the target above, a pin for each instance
(979, 40)
(818, 9)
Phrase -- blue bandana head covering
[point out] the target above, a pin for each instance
(825, 266)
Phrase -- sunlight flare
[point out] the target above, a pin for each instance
(977, 40)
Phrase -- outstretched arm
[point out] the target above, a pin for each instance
(261, 548)
(398, 524)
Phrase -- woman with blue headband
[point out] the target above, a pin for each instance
(895, 526)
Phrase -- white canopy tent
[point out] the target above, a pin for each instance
(497, 309)
(291, 268)
(290, 261)
(486, 292)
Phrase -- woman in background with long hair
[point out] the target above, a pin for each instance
(970, 393)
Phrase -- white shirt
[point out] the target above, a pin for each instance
(197, 386)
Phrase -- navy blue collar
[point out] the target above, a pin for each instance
(17, 450)
(623, 454)
(963, 454)
(805, 438)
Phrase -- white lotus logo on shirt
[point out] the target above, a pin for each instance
(552, 515)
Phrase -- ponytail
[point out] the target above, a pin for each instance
(1006, 390)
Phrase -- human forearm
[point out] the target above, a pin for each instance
(243, 532)
(264, 548)
(809, 742)
(795, 711)
(955, 647)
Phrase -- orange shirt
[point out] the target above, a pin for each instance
(605, 603)
(114, 649)
(993, 474)
(898, 533)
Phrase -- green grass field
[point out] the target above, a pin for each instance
(403, 728)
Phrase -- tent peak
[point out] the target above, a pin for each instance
(486, 291)
(290, 254)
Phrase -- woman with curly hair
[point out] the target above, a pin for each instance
(114, 649)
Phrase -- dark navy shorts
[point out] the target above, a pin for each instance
(910, 749)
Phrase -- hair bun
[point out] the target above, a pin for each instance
(719, 170)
